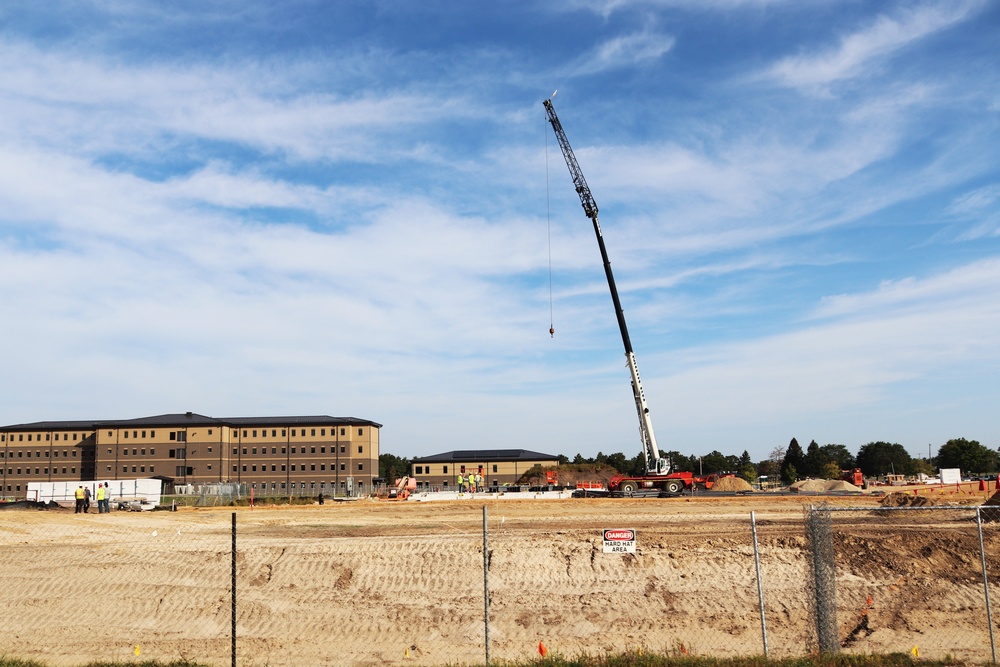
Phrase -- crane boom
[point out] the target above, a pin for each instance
(655, 464)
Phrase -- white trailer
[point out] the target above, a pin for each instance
(134, 493)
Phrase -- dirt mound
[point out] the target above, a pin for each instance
(899, 499)
(731, 484)
(809, 486)
(822, 486)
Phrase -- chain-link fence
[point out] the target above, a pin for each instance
(368, 582)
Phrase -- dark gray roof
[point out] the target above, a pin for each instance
(184, 419)
(486, 455)
(316, 420)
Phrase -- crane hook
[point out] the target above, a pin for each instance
(552, 332)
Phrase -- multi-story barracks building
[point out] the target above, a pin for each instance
(272, 455)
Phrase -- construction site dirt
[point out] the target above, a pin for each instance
(374, 582)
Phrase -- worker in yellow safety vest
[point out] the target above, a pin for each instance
(101, 494)
(81, 496)
(461, 483)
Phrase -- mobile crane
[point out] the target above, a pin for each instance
(658, 475)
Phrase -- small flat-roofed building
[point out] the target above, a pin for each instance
(497, 466)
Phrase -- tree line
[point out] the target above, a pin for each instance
(791, 463)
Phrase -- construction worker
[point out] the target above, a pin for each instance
(461, 483)
(81, 496)
(101, 494)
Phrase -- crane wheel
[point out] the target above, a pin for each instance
(672, 486)
(628, 488)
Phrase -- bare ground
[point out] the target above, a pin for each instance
(372, 582)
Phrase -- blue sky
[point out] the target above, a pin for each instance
(258, 208)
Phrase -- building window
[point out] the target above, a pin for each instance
(234, 468)
(125, 452)
(293, 432)
(255, 435)
(494, 467)
(419, 470)
(322, 432)
(314, 432)
(361, 466)
(343, 466)
(143, 434)
(446, 470)
(126, 435)
(360, 450)
(343, 431)
(312, 450)
(210, 431)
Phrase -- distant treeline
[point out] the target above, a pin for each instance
(876, 459)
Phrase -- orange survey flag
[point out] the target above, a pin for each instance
(542, 651)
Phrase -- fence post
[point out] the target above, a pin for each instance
(233, 586)
(760, 583)
(824, 577)
(986, 582)
(486, 584)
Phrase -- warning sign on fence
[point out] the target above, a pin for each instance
(619, 541)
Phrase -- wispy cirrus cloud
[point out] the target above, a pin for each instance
(623, 51)
(864, 48)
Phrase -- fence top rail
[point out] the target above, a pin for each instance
(923, 508)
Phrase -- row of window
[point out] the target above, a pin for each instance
(38, 454)
(421, 470)
(38, 436)
(252, 433)
(179, 436)
(40, 471)
(302, 450)
(302, 468)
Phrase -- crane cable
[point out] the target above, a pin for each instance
(548, 224)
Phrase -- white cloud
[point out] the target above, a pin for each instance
(886, 35)
(621, 52)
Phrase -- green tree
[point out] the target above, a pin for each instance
(794, 458)
(830, 470)
(923, 466)
(814, 461)
(749, 473)
(883, 458)
(840, 455)
(617, 461)
(968, 455)
(744, 461)
(714, 461)
(392, 467)
(790, 475)
(682, 463)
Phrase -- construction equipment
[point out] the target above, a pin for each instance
(855, 477)
(400, 490)
(658, 474)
